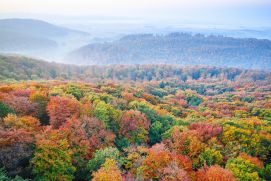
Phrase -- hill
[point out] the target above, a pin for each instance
(178, 48)
(24, 68)
(34, 37)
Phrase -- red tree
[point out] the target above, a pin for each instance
(206, 130)
(62, 108)
(134, 125)
(88, 133)
(21, 105)
(214, 173)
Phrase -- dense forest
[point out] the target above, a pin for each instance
(178, 48)
(19, 68)
(161, 123)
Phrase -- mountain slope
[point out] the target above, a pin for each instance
(35, 37)
(35, 28)
(15, 41)
(179, 48)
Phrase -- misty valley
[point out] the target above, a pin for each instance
(43, 40)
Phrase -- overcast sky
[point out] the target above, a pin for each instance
(256, 12)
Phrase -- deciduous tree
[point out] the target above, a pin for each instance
(62, 108)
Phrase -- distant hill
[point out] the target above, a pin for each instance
(17, 68)
(178, 48)
(13, 67)
(33, 37)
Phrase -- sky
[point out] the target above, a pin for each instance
(250, 12)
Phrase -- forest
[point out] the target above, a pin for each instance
(177, 48)
(149, 122)
(20, 68)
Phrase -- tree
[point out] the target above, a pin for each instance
(155, 132)
(5, 110)
(62, 108)
(41, 99)
(266, 173)
(4, 177)
(52, 158)
(88, 133)
(101, 155)
(134, 125)
(85, 135)
(206, 130)
(109, 171)
(157, 160)
(135, 157)
(174, 173)
(16, 148)
(75, 91)
(247, 134)
(28, 123)
(107, 114)
(210, 157)
(193, 100)
(159, 124)
(21, 105)
(243, 169)
(214, 173)
(187, 142)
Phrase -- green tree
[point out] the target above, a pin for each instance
(108, 114)
(75, 91)
(193, 100)
(159, 124)
(4, 177)
(5, 110)
(155, 132)
(243, 169)
(100, 156)
(53, 161)
(210, 157)
(266, 173)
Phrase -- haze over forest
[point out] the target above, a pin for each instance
(48, 31)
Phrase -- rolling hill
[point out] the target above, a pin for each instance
(178, 48)
(35, 37)
(21, 68)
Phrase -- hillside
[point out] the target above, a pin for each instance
(18, 42)
(35, 37)
(24, 68)
(178, 48)
(35, 27)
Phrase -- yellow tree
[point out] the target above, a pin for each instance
(109, 171)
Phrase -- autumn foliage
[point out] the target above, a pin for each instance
(62, 108)
(204, 129)
(134, 126)
(214, 173)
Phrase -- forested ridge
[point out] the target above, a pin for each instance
(19, 68)
(168, 128)
(178, 48)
